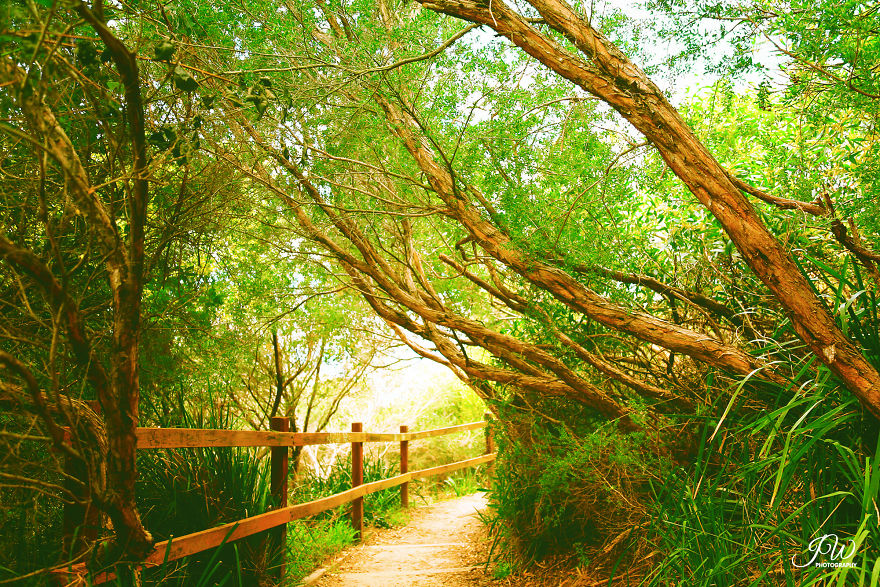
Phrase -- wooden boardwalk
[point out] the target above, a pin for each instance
(443, 544)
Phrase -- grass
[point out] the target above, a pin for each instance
(465, 482)
(181, 491)
(312, 542)
(31, 522)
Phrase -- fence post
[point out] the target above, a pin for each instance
(82, 519)
(279, 463)
(357, 478)
(490, 445)
(404, 468)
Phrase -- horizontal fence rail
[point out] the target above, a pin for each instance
(180, 547)
(149, 438)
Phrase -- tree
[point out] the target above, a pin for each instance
(288, 381)
(93, 255)
(615, 80)
(42, 139)
(605, 72)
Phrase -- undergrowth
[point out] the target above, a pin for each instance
(181, 491)
(739, 492)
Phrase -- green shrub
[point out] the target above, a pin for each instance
(559, 492)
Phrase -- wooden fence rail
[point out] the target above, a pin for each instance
(277, 519)
(202, 437)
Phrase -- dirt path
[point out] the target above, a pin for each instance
(443, 545)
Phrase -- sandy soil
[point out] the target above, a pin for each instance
(444, 544)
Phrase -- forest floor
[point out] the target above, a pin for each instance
(444, 544)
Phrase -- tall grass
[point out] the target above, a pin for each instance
(181, 491)
(773, 471)
(757, 497)
(762, 491)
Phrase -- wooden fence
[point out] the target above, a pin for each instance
(280, 441)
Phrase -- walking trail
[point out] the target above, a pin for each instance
(443, 545)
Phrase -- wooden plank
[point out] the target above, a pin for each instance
(178, 548)
(404, 468)
(211, 538)
(395, 577)
(279, 466)
(357, 478)
(453, 466)
(392, 437)
(201, 437)
(304, 510)
(307, 438)
(406, 436)
(447, 430)
(383, 437)
(388, 483)
(152, 438)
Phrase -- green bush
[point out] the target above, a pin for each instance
(726, 496)
(561, 491)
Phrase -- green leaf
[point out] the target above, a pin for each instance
(87, 54)
(163, 139)
(184, 81)
(164, 51)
